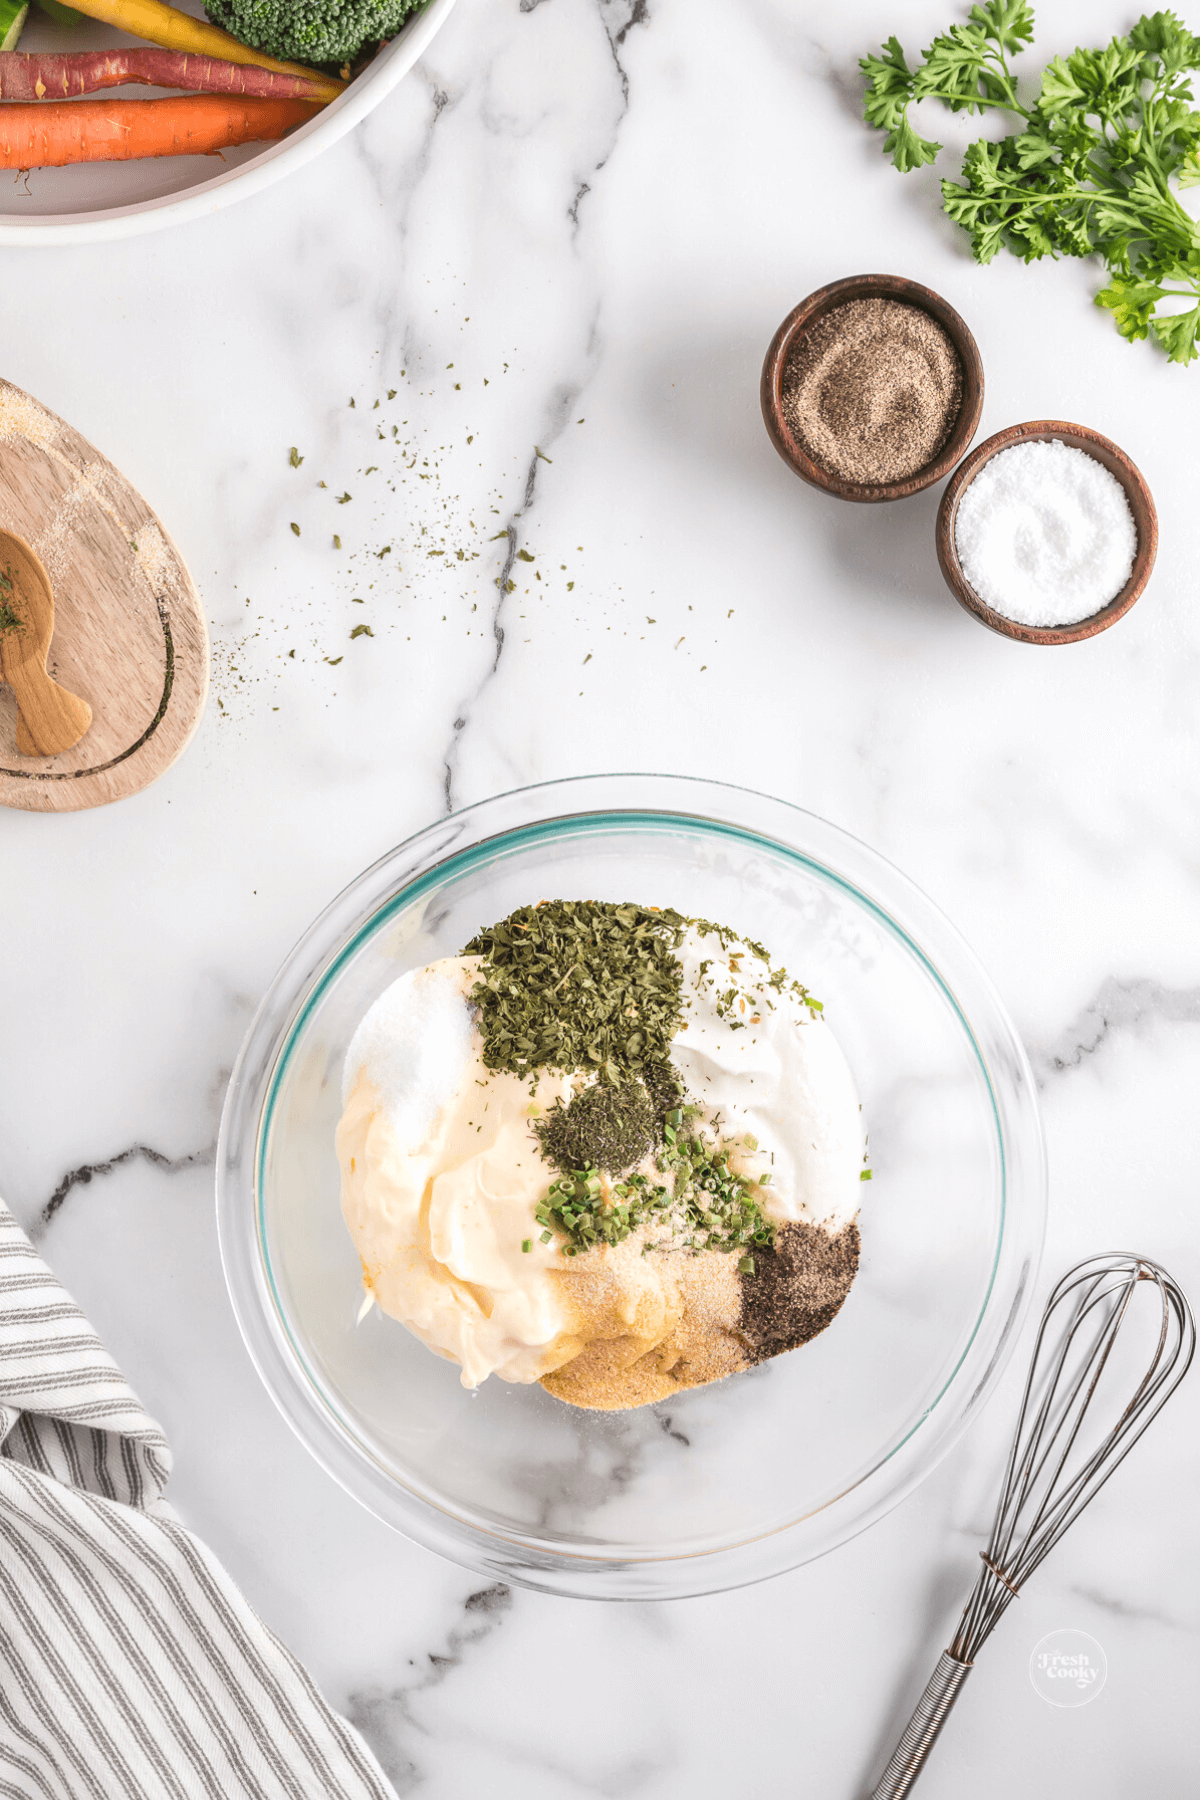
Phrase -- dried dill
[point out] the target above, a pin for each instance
(609, 1128)
(664, 1086)
(580, 984)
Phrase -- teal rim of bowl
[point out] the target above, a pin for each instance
(580, 824)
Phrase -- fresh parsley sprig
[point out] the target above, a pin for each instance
(966, 67)
(1094, 169)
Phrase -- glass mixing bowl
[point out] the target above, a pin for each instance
(726, 1484)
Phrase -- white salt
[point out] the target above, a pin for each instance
(1045, 535)
(415, 1045)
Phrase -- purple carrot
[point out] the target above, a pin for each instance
(46, 76)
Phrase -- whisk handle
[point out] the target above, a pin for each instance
(920, 1734)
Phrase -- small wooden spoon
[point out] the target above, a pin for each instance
(51, 720)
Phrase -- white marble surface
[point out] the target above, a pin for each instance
(604, 207)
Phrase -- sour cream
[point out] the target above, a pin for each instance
(761, 1065)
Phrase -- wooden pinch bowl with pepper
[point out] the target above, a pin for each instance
(803, 317)
(1141, 505)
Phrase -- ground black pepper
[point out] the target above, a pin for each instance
(797, 1289)
(872, 390)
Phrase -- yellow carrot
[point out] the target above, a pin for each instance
(174, 30)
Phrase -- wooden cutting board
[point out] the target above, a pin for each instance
(129, 634)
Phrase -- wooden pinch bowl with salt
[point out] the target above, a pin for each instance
(1141, 504)
(803, 318)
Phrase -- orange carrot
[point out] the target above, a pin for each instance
(57, 132)
(161, 24)
(49, 76)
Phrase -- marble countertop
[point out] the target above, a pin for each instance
(565, 242)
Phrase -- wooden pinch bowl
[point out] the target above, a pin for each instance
(1141, 505)
(802, 317)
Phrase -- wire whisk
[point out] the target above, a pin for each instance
(1063, 1452)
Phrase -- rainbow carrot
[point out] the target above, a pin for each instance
(48, 76)
(50, 134)
(175, 30)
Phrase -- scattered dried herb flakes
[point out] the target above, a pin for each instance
(294, 457)
(749, 989)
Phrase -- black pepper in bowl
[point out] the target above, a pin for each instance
(855, 429)
(872, 390)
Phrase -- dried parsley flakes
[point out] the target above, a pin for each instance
(580, 984)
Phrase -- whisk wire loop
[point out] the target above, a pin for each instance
(1043, 1493)
(1052, 1473)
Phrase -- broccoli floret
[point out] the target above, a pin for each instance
(311, 31)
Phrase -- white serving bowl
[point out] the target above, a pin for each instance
(112, 200)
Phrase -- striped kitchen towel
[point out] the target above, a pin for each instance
(131, 1668)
